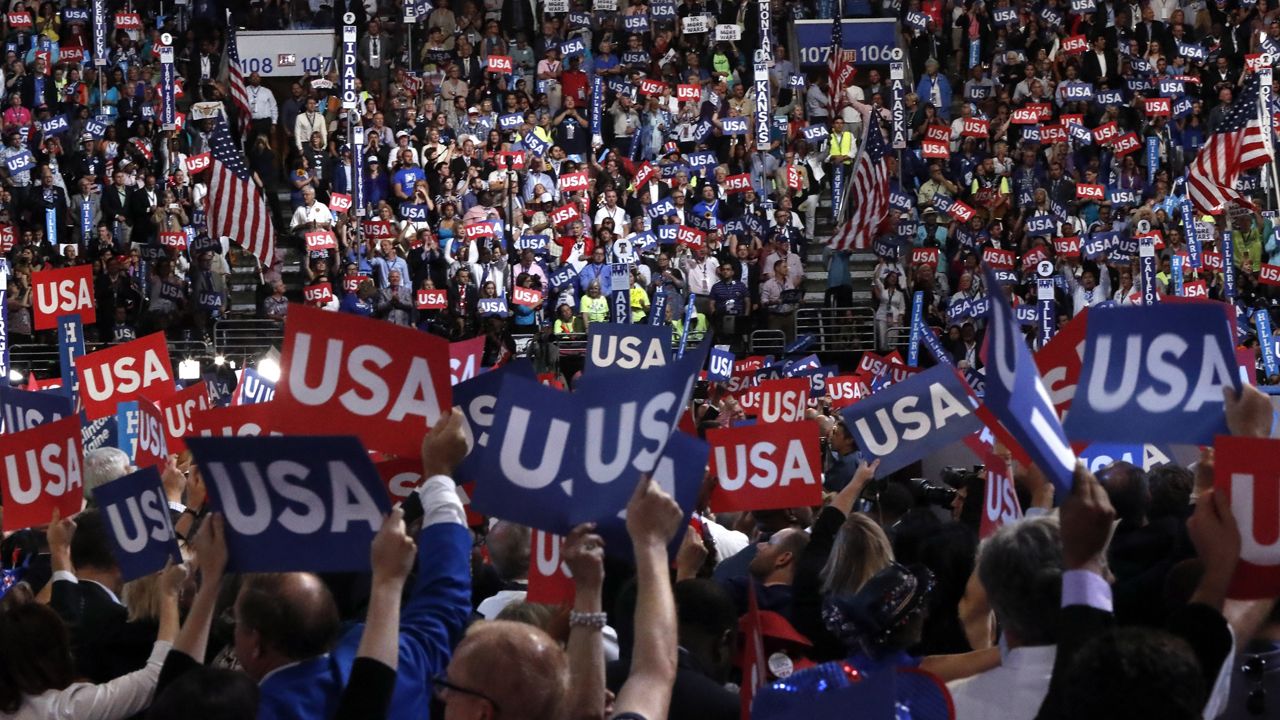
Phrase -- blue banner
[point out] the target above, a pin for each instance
(917, 320)
(477, 398)
(293, 503)
(100, 32)
(764, 107)
(913, 418)
(1048, 306)
(837, 190)
(872, 40)
(357, 164)
(556, 459)
(1154, 374)
(1262, 322)
(684, 330)
(622, 346)
(1175, 272)
(1147, 266)
(23, 410)
(70, 347)
(719, 365)
(1147, 457)
(4, 329)
(1017, 396)
(1189, 231)
(86, 222)
(679, 472)
(1228, 264)
(933, 344)
(975, 52)
(253, 389)
(1153, 157)
(139, 524)
(168, 94)
(658, 313)
(564, 276)
(347, 81)
(619, 306)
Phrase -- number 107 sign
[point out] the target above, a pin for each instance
(870, 41)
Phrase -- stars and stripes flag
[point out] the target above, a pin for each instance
(235, 82)
(236, 208)
(838, 71)
(870, 189)
(1236, 145)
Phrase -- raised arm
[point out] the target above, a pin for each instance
(652, 520)
(584, 554)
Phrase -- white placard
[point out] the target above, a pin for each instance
(695, 24)
(728, 33)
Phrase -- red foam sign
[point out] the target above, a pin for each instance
(137, 369)
(765, 466)
(1245, 470)
(319, 294)
(68, 291)
(432, 299)
(42, 472)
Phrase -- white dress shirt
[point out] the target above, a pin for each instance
(1012, 691)
(262, 104)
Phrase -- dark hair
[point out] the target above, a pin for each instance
(91, 544)
(1135, 672)
(1170, 491)
(298, 628)
(1126, 486)
(703, 605)
(206, 693)
(35, 654)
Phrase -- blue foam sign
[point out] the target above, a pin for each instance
(138, 523)
(913, 418)
(293, 503)
(1154, 374)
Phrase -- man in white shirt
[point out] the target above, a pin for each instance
(311, 215)
(1016, 566)
(610, 209)
(308, 122)
(263, 111)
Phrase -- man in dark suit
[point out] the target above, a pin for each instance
(1100, 65)
(463, 298)
(376, 51)
(117, 205)
(468, 64)
(142, 202)
(1149, 31)
(86, 594)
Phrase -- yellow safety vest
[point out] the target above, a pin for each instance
(842, 144)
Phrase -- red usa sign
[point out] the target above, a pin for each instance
(71, 54)
(565, 214)
(68, 291)
(744, 373)
(401, 477)
(775, 401)
(794, 180)
(389, 384)
(1253, 62)
(179, 410)
(137, 369)
(1126, 144)
(432, 299)
(924, 256)
(1075, 44)
(644, 174)
(1211, 260)
(550, 581)
(318, 294)
(845, 390)
(960, 211)
(688, 92)
(941, 133)
(8, 236)
(176, 240)
(528, 297)
(1067, 246)
(351, 282)
(765, 467)
(690, 237)
(1246, 472)
(378, 230)
(651, 87)
(974, 127)
(1158, 106)
(128, 21)
(339, 202)
(478, 230)
(41, 473)
(737, 183)
(196, 163)
(1043, 111)
(20, 19)
(1269, 275)
(320, 240)
(464, 359)
(236, 421)
(1088, 191)
(1197, 290)
(570, 182)
(1050, 134)
(1001, 506)
(149, 448)
(999, 259)
(935, 149)
(1106, 132)
(1032, 257)
(1025, 116)
(499, 64)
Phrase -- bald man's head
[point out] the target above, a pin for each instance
(518, 667)
(283, 618)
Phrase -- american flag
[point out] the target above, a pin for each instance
(835, 66)
(235, 81)
(870, 187)
(236, 207)
(1237, 144)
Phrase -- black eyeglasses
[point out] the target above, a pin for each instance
(440, 685)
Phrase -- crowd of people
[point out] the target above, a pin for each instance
(498, 189)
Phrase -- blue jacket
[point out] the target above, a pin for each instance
(925, 90)
(431, 623)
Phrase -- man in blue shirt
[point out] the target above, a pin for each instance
(406, 177)
(730, 306)
(288, 653)
(596, 270)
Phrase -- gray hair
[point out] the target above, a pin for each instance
(102, 465)
(1020, 566)
(509, 548)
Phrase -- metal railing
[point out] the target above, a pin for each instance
(849, 329)
(898, 337)
(247, 337)
(768, 341)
